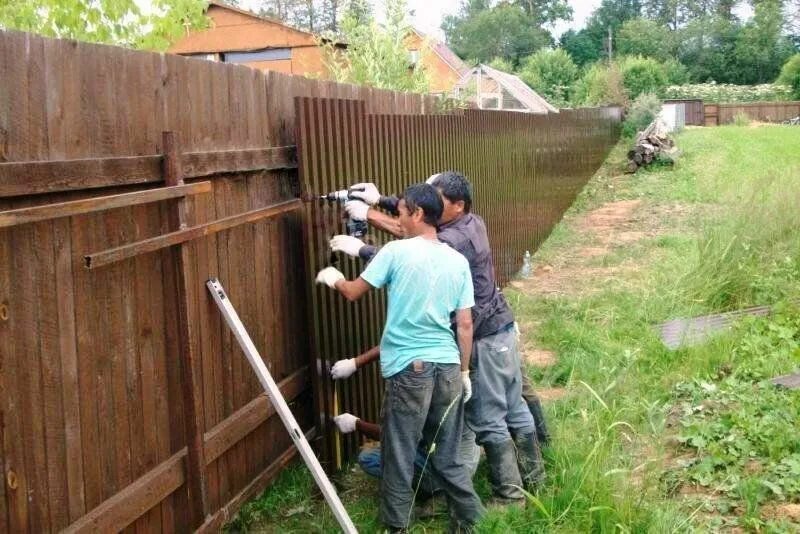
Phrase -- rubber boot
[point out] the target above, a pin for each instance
(535, 407)
(529, 457)
(504, 473)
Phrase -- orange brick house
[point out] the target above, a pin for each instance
(444, 67)
(238, 36)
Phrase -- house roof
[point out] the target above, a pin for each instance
(518, 89)
(254, 35)
(444, 52)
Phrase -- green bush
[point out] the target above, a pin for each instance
(642, 75)
(551, 73)
(642, 112)
(600, 85)
(677, 73)
(790, 75)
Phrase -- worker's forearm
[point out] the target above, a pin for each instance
(371, 430)
(384, 222)
(368, 357)
(347, 289)
(465, 345)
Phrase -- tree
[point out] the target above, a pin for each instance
(545, 12)
(551, 73)
(119, 22)
(504, 31)
(761, 48)
(581, 47)
(591, 43)
(376, 54)
(646, 38)
(790, 75)
(642, 75)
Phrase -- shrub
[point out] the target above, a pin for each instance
(741, 119)
(551, 73)
(600, 85)
(790, 75)
(642, 112)
(722, 92)
(642, 75)
(677, 73)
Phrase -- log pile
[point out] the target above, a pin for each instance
(653, 144)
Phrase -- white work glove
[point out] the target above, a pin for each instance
(329, 276)
(367, 192)
(343, 368)
(467, 394)
(356, 209)
(346, 422)
(345, 243)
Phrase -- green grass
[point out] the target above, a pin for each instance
(647, 439)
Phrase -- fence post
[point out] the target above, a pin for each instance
(192, 401)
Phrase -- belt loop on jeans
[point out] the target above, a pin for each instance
(417, 366)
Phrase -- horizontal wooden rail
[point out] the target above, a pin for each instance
(123, 508)
(228, 433)
(89, 205)
(39, 177)
(99, 259)
(215, 522)
(196, 164)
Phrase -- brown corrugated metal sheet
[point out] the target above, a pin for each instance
(525, 170)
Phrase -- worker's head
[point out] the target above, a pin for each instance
(456, 194)
(420, 207)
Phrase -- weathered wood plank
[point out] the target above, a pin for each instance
(39, 177)
(247, 418)
(192, 394)
(99, 259)
(89, 205)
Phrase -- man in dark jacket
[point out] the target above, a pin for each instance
(497, 413)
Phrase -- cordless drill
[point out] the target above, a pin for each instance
(354, 228)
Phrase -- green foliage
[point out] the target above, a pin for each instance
(501, 64)
(505, 31)
(646, 38)
(376, 54)
(643, 110)
(551, 73)
(600, 85)
(790, 75)
(676, 72)
(119, 22)
(719, 92)
(742, 431)
(642, 75)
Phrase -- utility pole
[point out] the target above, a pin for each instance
(610, 45)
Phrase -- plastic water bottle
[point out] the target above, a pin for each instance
(525, 272)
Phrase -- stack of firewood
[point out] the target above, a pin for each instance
(652, 144)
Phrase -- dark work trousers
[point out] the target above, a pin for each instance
(497, 408)
(423, 403)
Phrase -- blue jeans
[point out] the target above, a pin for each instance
(369, 459)
(422, 404)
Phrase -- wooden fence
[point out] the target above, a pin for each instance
(717, 114)
(128, 179)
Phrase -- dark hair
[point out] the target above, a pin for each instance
(454, 187)
(426, 197)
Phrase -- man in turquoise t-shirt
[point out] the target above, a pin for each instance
(426, 371)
